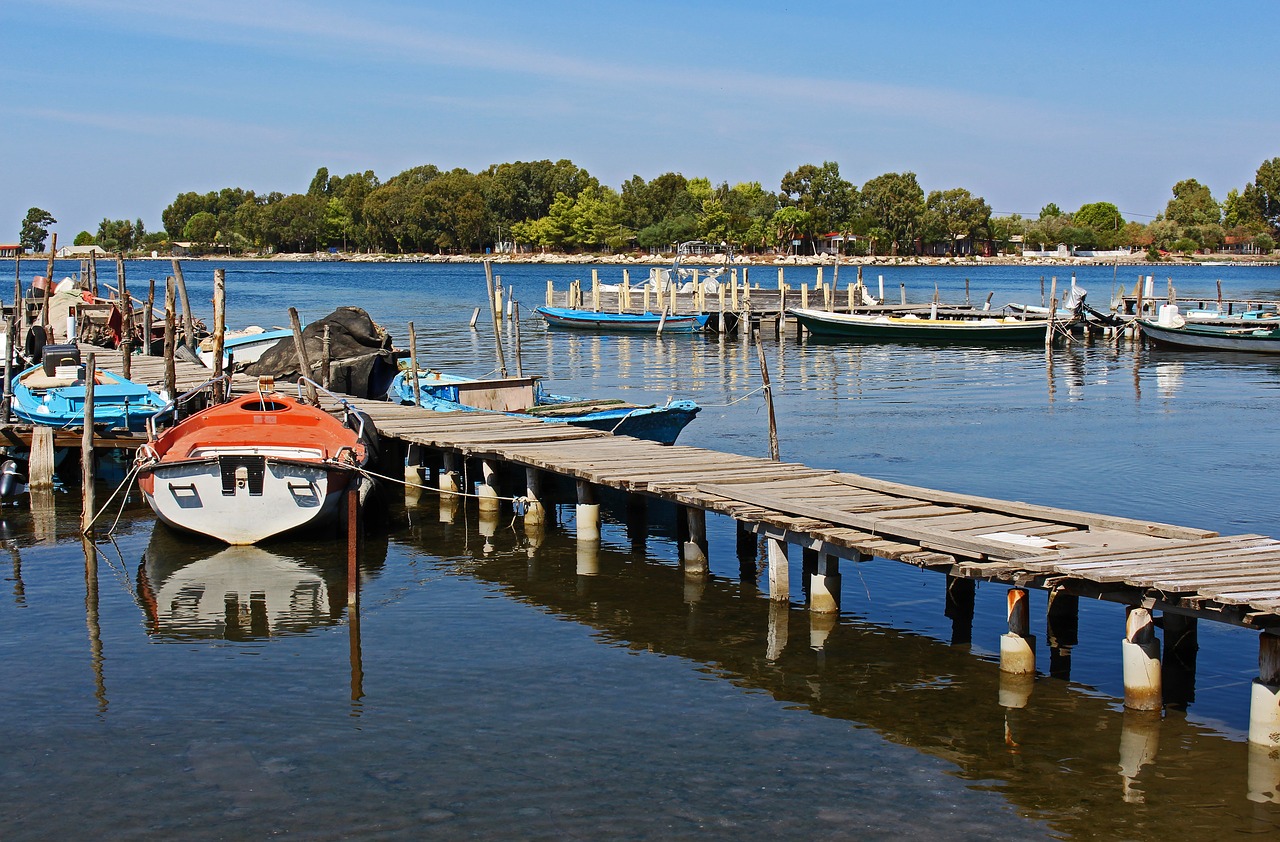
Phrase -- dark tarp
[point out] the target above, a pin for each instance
(360, 351)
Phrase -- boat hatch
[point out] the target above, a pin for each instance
(264, 405)
(242, 472)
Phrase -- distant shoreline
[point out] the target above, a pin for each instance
(715, 260)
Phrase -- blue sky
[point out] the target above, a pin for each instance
(115, 107)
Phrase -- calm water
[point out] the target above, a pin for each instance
(488, 690)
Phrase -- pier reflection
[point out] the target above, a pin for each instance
(1048, 745)
(192, 589)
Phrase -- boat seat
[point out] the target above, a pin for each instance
(39, 380)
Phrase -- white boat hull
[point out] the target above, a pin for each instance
(193, 496)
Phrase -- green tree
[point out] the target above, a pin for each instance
(957, 214)
(1264, 243)
(1266, 193)
(1050, 210)
(829, 200)
(1193, 204)
(34, 231)
(1100, 216)
(84, 238)
(895, 202)
(320, 185)
(1241, 210)
(788, 224)
(201, 229)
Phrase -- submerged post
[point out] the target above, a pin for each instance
(1264, 707)
(768, 397)
(86, 448)
(188, 319)
(1141, 658)
(300, 348)
(1018, 646)
(413, 363)
(219, 328)
(170, 340)
(493, 308)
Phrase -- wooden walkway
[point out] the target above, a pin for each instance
(1234, 579)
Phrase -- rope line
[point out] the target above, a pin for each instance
(520, 501)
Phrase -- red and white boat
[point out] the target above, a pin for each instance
(255, 466)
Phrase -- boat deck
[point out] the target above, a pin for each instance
(1234, 579)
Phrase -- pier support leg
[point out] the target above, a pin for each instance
(413, 474)
(694, 551)
(41, 463)
(748, 546)
(637, 522)
(487, 488)
(587, 513)
(1018, 646)
(824, 586)
(1264, 775)
(1264, 707)
(1181, 642)
(1141, 659)
(450, 484)
(1064, 632)
(536, 513)
(959, 609)
(779, 570)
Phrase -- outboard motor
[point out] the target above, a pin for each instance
(12, 481)
(33, 349)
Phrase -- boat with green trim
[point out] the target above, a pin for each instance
(910, 328)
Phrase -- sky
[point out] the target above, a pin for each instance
(114, 107)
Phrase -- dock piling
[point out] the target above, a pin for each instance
(960, 596)
(695, 546)
(587, 513)
(86, 449)
(41, 460)
(1140, 652)
(535, 512)
(779, 569)
(1264, 707)
(1018, 646)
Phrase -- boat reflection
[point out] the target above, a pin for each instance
(196, 590)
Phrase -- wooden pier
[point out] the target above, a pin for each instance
(1185, 573)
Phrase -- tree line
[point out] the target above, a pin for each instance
(559, 206)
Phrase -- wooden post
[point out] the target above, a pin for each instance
(40, 474)
(902, 289)
(93, 274)
(188, 319)
(595, 290)
(11, 339)
(48, 283)
(1141, 659)
(497, 327)
(86, 448)
(768, 399)
(733, 290)
(148, 318)
(624, 296)
(1018, 646)
(300, 348)
(958, 608)
(551, 292)
(515, 321)
(779, 570)
(881, 277)
(219, 328)
(126, 301)
(662, 320)
(326, 358)
(170, 341)
(824, 585)
(413, 364)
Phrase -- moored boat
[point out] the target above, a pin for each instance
(52, 394)
(525, 397)
(916, 329)
(1248, 338)
(633, 322)
(255, 466)
(243, 348)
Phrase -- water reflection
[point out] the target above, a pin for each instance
(191, 589)
(1049, 746)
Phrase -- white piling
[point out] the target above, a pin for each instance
(779, 570)
(1141, 658)
(535, 512)
(587, 513)
(1264, 706)
(487, 488)
(1018, 646)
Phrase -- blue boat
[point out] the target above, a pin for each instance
(641, 322)
(525, 397)
(50, 400)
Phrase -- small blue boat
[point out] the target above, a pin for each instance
(641, 322)
(525, 397)
(52, 401)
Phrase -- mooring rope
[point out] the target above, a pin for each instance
(521, 502)
(127, 481)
